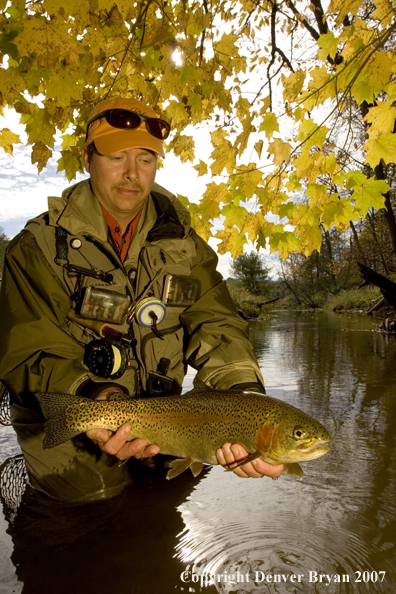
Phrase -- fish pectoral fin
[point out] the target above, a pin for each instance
(294, 470)
(181, 464)
(239, 463)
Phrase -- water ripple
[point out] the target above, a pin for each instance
(278, 532)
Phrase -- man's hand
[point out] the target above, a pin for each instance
(116, 443)
(230, 454)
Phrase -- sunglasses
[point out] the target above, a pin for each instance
(130, 120)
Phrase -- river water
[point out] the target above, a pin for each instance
(332, 532)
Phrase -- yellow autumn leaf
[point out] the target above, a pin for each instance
(202, 168)
(71, 163)
(64, 89)
(255, 225)
(383, 147)
(49, 41)
(40, 155)
(269, 124)
(258, 147)
(284, 242)
(292, 85)
(342, 8)
(223, 154)
(231, 241)
(303, 164)
(8, 139)
(183, 147)
(328, 45)
(382, 118)
(318, 194)
(235, 216)
(280, 150)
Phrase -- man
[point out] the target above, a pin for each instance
(112, 293)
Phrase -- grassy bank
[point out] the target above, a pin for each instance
(353, 299)
(345, 300)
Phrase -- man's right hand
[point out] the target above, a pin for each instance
(117, 445)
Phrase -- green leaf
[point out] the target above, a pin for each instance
(71, 163)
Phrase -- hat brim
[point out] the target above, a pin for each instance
(115, 140)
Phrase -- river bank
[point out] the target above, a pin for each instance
(366, 300)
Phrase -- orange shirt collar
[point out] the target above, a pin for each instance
(122, 242)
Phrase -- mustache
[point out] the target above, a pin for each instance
(134, 187)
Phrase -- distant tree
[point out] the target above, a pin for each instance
(250, 270)
(322, 272)
(3, 244)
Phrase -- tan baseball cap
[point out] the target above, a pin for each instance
(109, 140)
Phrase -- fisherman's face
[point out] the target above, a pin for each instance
(122, 181)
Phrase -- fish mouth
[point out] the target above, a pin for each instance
(307, 448)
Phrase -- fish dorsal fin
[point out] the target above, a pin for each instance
(180, 465)
(294, 470)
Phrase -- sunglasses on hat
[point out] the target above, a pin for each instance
(125, 119)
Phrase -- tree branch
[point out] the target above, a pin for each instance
(319, 16)
(303, 20)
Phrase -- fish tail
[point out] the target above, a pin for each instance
(54, 408)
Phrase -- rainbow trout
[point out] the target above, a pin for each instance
(193, 426)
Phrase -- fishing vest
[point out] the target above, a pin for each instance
(73, 238)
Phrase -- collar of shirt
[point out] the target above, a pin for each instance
(121, 241)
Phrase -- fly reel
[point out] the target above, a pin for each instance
(105, 359)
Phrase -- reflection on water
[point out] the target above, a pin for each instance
(284, 536)
(340, 519)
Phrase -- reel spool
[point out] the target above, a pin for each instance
(105, 359)
(150, 312)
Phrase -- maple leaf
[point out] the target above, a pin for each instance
(284, 242)
(280, 150)
(269, 124)
(8, 139)
(381, 148)
(328, 45)
(258, 147)
(48, 40)
(40, 155)
(293, 84)
(367, 191)
(202, 168)
(231, 241)
(382, 118)
(183, 147)
(234, 215)
(71, 163)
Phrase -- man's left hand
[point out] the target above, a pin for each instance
(230, 454)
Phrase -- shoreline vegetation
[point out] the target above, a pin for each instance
(366, 300)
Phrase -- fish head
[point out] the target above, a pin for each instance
(292, 437)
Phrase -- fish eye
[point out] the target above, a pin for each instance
(299, 433)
